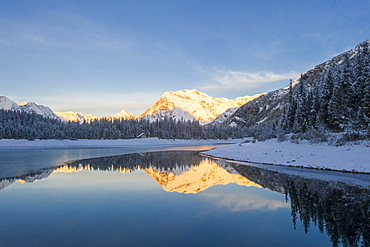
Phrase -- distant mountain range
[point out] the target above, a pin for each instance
(184, 104)
(32, 107)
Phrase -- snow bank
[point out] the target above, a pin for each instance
(144, 142)
(353, 158)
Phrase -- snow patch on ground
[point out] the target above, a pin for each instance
(353, 158)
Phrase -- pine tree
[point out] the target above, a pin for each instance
(335, 108)
(300, 118)
(364, 112)
(290, 109)
(327, 83)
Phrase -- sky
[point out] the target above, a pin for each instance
(100, 57)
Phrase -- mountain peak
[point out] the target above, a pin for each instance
(28, 103)
(75, 116)
(199, 105)
(8, 104)
(29, 107)
(32, 107)
(124, 114)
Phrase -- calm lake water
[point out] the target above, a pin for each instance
(147, 197)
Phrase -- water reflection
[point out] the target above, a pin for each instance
(341, 210)
(181, 171)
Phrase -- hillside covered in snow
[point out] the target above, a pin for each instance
(333, 96)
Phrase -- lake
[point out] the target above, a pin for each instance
(174, 197)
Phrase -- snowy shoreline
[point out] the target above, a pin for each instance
(350, 158)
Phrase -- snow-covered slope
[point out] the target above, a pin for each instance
(29, 107)
(268, 107)
(335, 94)
(199, 105)
(8, 104)
(32, 107)
(175, 113)
(224, 116)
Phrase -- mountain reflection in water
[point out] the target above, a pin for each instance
(340, 209)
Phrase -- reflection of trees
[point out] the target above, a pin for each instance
(180, 171)
(342, 210)
(163, 161)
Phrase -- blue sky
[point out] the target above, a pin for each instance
(100, 57)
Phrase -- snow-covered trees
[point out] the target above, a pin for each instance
(334, 95)
(21, 125)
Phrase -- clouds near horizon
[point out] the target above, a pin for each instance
(239, 80)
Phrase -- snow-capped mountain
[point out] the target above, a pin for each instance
(32, 107)
(8, 104)
(175, 113)
(184, 104)
(124, 114)
(28, 107)
(80, 117)
(192, 104)
(76, 116)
